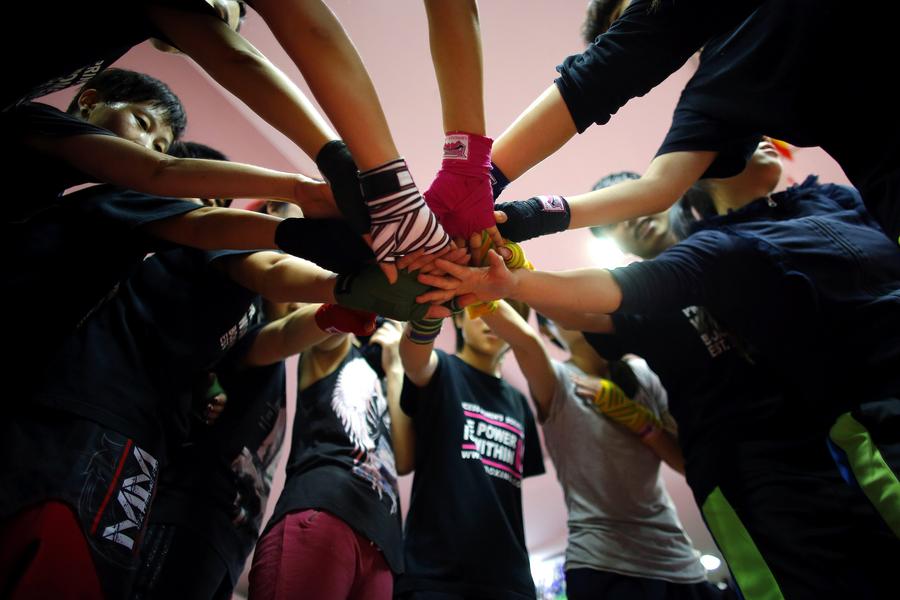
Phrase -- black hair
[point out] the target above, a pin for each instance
(599, 18)
(198, 150)
(121, 85)
(609, 181)
(695, 205)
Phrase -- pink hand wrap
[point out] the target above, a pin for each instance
(460, 195)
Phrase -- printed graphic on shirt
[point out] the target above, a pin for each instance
(253, 474)
(237, 331)
(497, 440)
(75, 78)
(119, 487)
(360, 405)
(713, 336)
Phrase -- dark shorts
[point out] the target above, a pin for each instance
(177, 563)
(865, 445)
(788, 526)
(102, 476)
(591, 584)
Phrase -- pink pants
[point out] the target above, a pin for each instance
(313, 554)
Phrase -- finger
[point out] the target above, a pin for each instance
(458, 271)
(460, 242)
(442, 283)
(390, 271)
(476, 240)
(500, 216)
(436, 296)
(436, 311)
(409, 259)
(495, 236)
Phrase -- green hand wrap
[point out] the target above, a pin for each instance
(368, 289)
(424, 331)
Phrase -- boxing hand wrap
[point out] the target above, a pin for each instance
(534, 217)
(499, 181)
(337, 167)
(330, 243)
(516, 260)
(215, 388)
(424, 331)
(401, 221)
(369, 290)
(461, 194)
(332, 318)
(614, 404)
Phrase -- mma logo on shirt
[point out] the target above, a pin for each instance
(122, 511)
(497, 440)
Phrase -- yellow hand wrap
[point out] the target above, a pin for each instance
(516, 260)
(611, 401)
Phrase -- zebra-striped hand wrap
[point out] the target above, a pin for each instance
(401, 222)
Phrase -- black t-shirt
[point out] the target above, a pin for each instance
(475, 441)
(806, 279)
(130, 366)
(54, 47)
(718, 396)
(342, 460)
(217, 483)
(60, 265)
(33, 180)
(639, 51)
(799, 71)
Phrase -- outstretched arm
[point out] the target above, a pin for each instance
(666, 180)
(212, 228)
(316, 42)
(537, 133)
(284, 337)
(120, 162)
(279, 277)
(241, 69)
(530, 353)
(580, 290)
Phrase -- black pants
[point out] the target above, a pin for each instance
(590, 584)
(176, 563)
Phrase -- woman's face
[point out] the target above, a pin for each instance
(643, 236)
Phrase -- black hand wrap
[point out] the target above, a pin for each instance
(534, 217)
(499, 181)
(330, 243)
(337, 166)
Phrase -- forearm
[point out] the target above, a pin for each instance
(667, 179)
(285, 337)
(593, 322)
(402, 433)
(455, 38)
(541, 130)
(120, 162)
(664, 445)
(211, 228)
(317, 43)
(419, 360)
(241, 69)
(281, 278)
(530, 353)
(579, 290)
